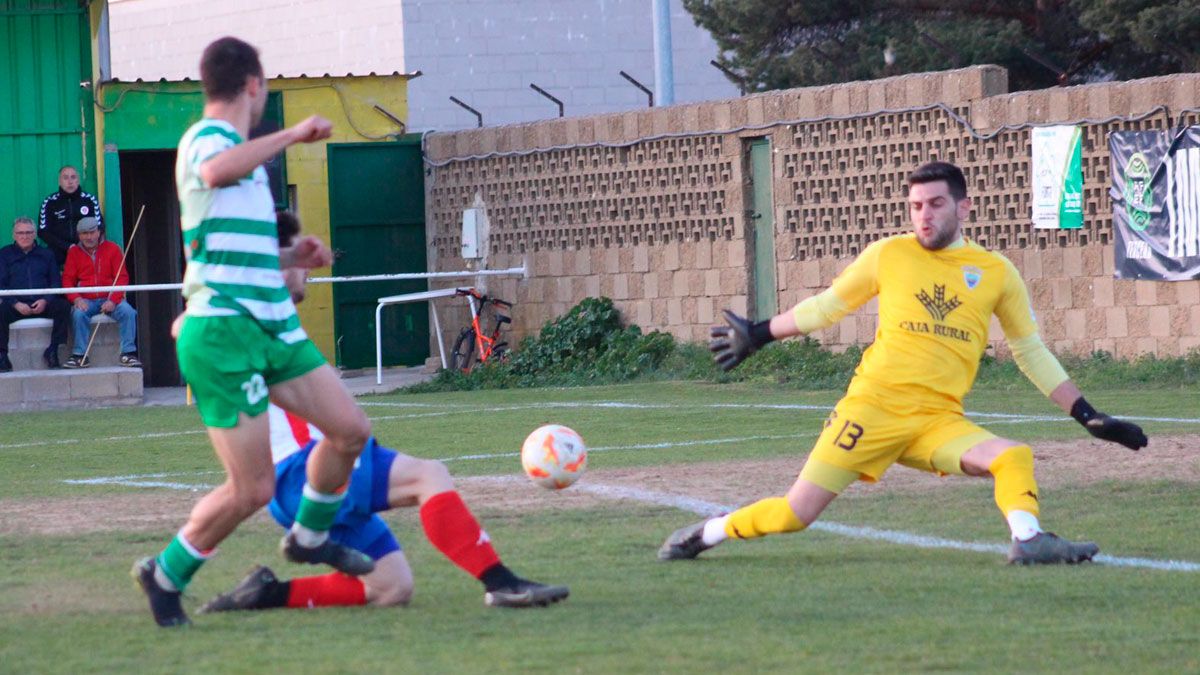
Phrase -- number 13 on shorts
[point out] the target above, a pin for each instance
(848, 432)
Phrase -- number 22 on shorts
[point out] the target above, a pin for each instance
(255, 388)
(849, 433)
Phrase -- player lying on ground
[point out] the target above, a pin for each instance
(242, 340)
(383, 480)
(937, 293)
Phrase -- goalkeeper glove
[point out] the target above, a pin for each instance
(731, 344)
(1108, 428)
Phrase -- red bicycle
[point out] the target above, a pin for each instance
(473, 346)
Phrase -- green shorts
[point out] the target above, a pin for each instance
(229, 362)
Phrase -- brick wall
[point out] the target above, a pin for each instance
(649, 207)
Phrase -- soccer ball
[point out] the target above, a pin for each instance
(554, 456)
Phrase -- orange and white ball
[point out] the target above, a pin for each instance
(554, 456)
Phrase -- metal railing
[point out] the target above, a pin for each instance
(315, 280)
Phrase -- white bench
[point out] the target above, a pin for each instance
(32, 387)
(28, 338)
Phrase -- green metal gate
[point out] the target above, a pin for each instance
(762, 228)
(377, 226)
(46, 112)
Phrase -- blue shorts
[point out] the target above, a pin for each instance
(356, 524)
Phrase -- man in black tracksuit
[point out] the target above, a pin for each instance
(62, 210)
(24, 264)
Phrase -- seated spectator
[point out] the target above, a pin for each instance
(61, 211)
(95, 262)
(25, 264)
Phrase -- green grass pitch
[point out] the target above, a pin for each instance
(78, 492)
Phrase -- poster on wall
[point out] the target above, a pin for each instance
(1057, 177)
(1156, 203)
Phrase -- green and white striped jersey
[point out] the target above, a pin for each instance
(230, 240)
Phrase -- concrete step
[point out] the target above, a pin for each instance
(28, 338)
(61, 389)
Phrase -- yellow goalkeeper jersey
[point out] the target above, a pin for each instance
(934, 311)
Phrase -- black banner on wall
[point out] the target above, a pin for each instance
(1156, 203)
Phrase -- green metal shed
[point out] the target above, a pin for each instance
(46, 114)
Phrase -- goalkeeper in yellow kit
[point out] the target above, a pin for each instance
(937, 294)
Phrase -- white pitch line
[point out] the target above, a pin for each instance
(190, 487)
(690, 504)
(397, 404)
(710, 441)
(143, 480)
(643, 446)
(460, 408)
(169, 434)
(705, 508)
(1017, 417)
(93, 439)
(140, 480)
(135, 476)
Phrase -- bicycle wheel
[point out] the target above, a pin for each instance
(463, 356)
(500, 352)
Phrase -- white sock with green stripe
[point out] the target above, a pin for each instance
(315, 515)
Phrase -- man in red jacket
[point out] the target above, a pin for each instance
(93, 262)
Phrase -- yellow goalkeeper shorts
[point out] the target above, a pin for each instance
(866, 434)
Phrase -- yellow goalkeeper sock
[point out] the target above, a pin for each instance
(1016, 489)
(772, 515)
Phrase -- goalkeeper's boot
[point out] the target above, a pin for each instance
(341, 558)
(525, 593)
(166, 606)
(1047, 548)
(259, 590)
(685, 543)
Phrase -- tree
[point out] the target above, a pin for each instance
(776, 44)
(1164, 36)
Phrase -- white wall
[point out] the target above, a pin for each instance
(485, 52)
(153, 39)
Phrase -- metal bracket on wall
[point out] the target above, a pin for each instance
(639, 85)
(741, 83)
(476, 113)
(548, 95)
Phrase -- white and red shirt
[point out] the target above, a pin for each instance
(289, 433)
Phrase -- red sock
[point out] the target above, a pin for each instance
(454, 531)
(328, 590)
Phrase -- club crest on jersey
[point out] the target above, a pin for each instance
(937, 305)
(972, 275)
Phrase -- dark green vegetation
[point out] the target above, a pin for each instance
(590, 345)
(779, 45)
(587, 345)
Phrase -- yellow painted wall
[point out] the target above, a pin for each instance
(348, 103)
(95, 11)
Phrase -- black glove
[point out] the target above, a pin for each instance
(1108, 428)
(731, 344)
